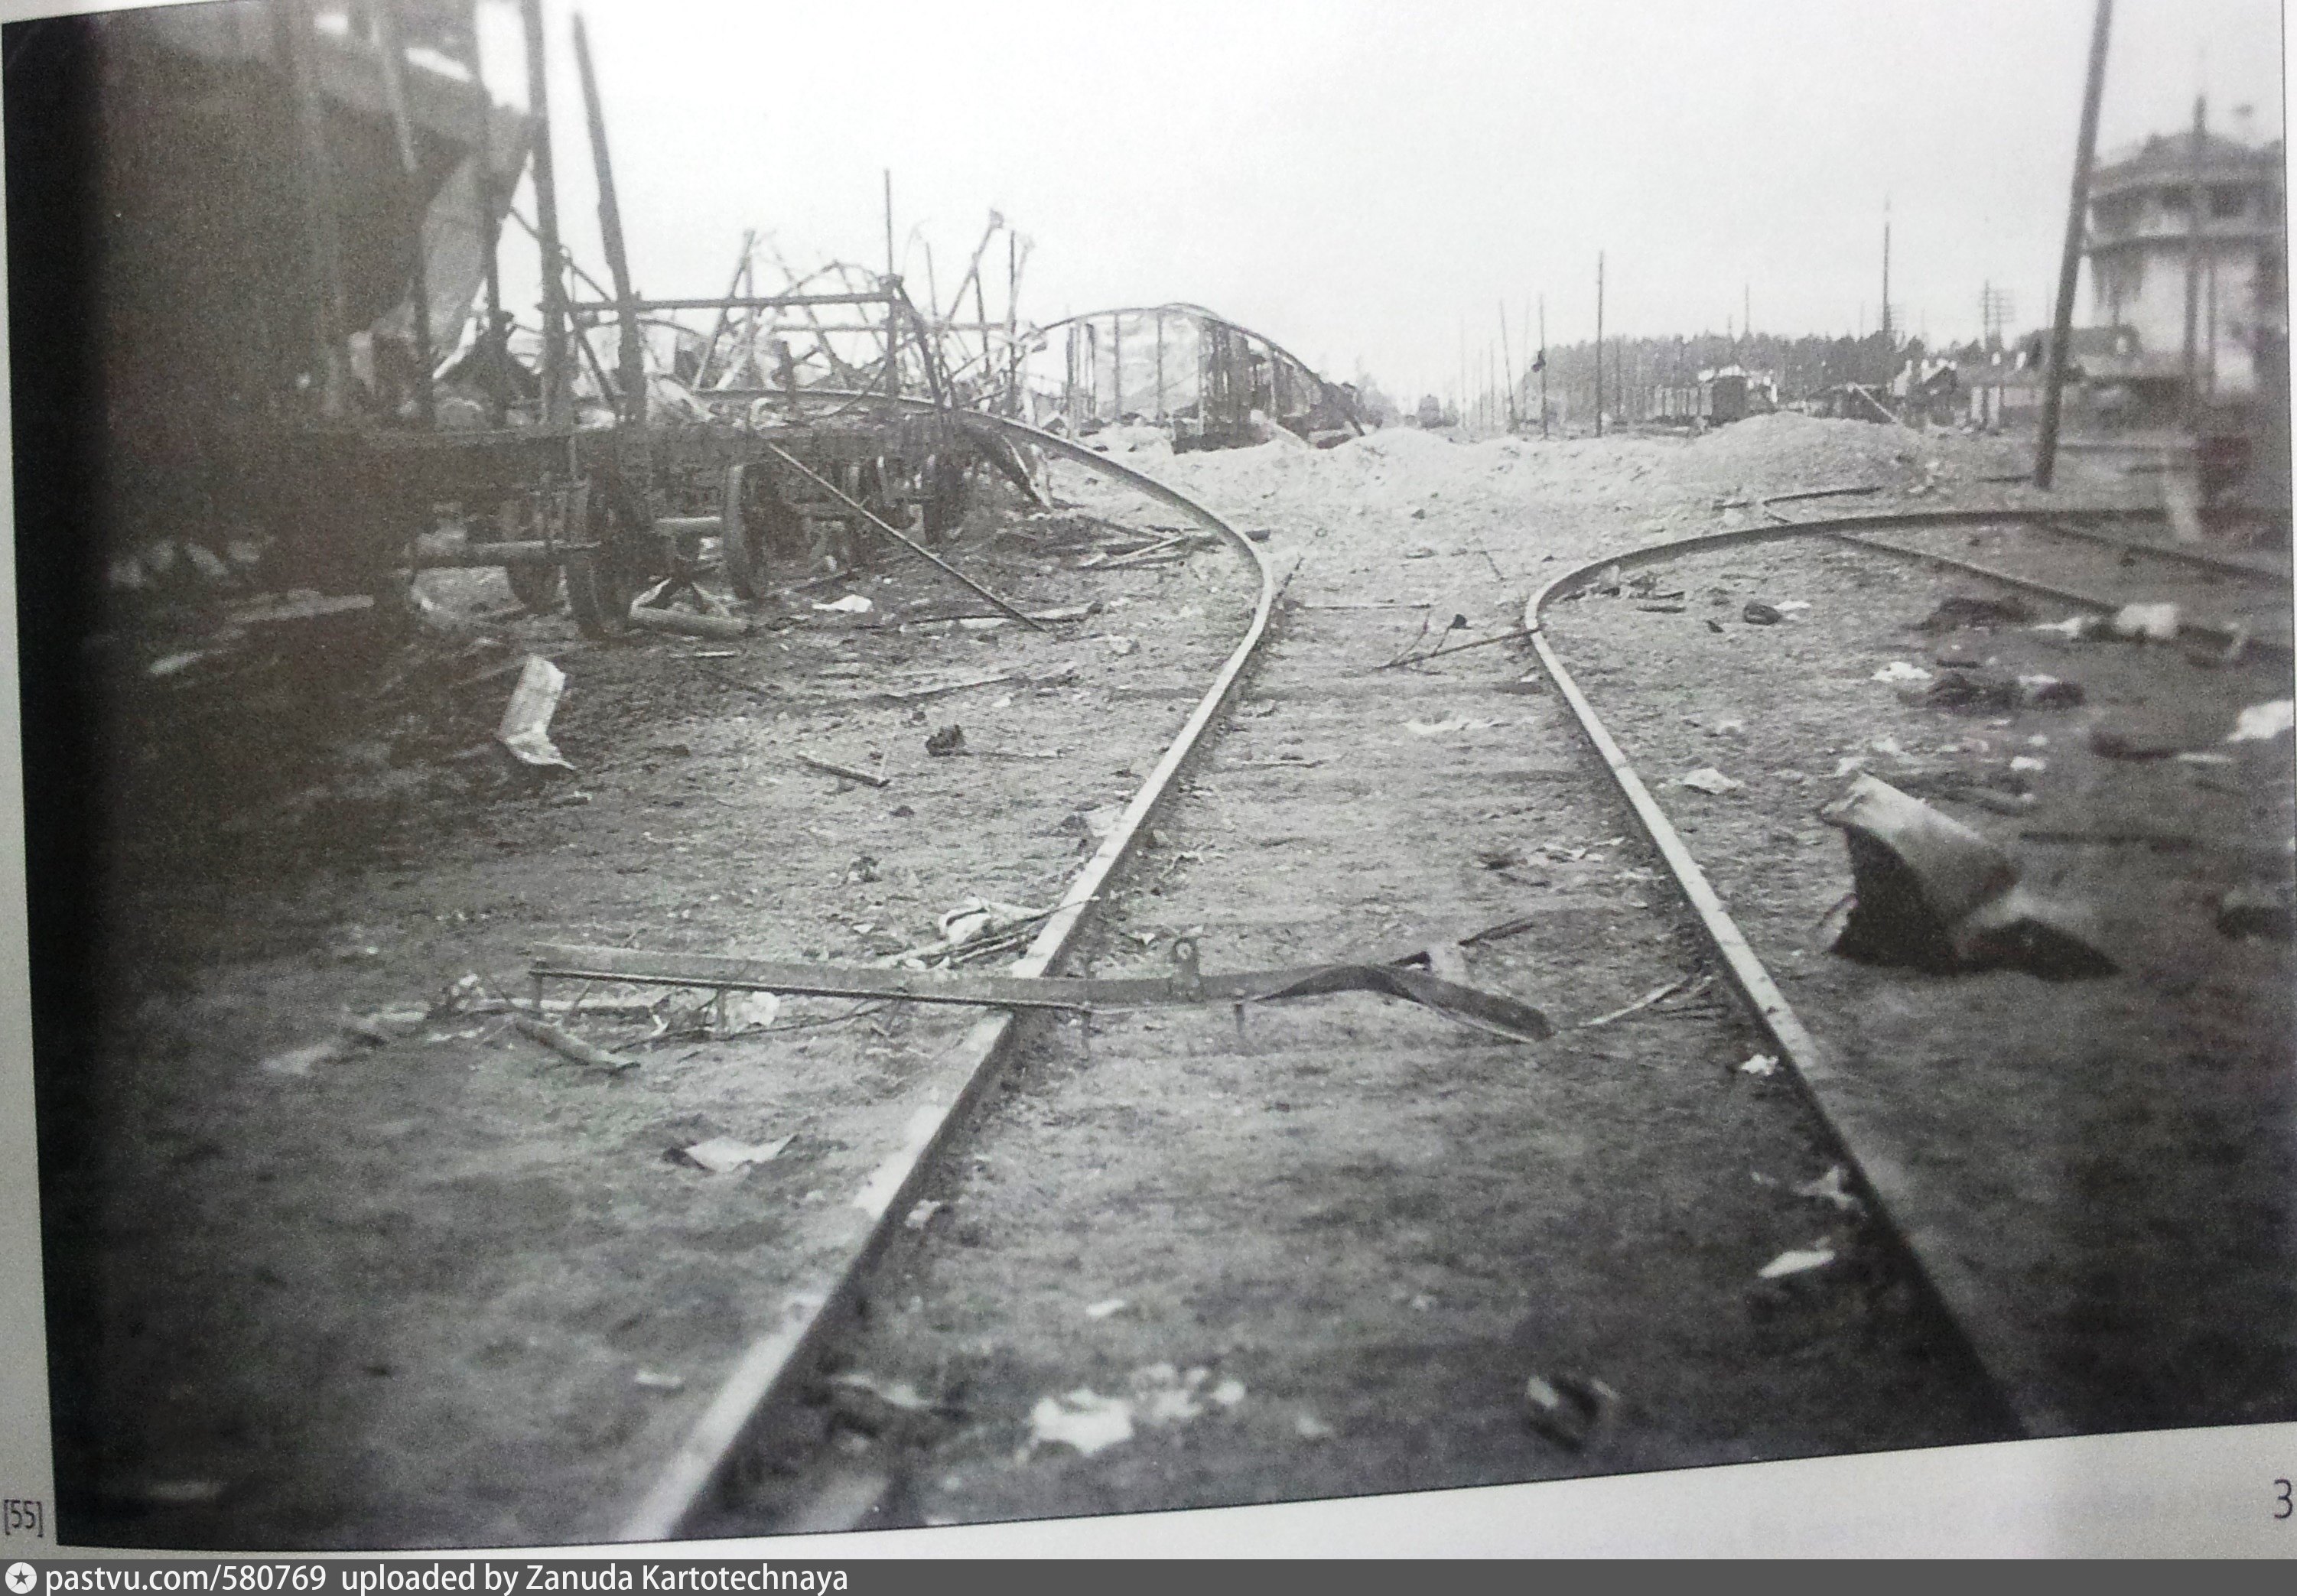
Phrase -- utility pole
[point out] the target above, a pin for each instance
(1997, 309)
(1889, 351)
(1507, 363)
(2062, 327)
(2194, 196)
(1542, 366)
(1599, 343)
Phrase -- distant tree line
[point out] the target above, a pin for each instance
(1804, 365)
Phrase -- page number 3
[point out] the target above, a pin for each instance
(2282, 1508)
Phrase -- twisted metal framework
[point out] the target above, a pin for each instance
(1212, 381)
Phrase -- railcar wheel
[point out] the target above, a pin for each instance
(597, 588)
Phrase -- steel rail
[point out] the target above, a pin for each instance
(773, 1364)
(1855, 537)
(1852, 1113)
(2216, 564)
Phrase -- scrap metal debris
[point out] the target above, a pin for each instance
(568, 1045)
(2156, 734)
(2145, 622)
(722, 1155)
(1961, 610)
(2262, 723)
(302, 1060)
(1932, 893)
(1657, 994)
(893, 1410)
(1797, 1261)
(737, 1012)
(1490, 1012)
(1081, 1419)
(1833, 1187)
(2258, 908)
(1573, 1410)
(525, 730)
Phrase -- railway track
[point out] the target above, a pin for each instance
(2034, 552)
(1310, 1248)
(767, 1367)
(2058, 1301)
(1323, 735)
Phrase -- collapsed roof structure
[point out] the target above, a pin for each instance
(1213, 384)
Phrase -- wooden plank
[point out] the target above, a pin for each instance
(846, 771)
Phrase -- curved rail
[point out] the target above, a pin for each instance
(771, 1365)
(1854, 531)
(1859, 1123)
(2217, 564)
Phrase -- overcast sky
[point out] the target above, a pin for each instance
(1354, 178)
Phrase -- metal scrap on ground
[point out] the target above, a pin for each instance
(1491, 1012)
(525, 729)
(1933, 893)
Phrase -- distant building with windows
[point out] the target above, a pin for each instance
(2140, 239)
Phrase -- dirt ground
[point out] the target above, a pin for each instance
(403, 1295)
(448, 1289)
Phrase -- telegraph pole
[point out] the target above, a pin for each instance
(1599, 343)
(1463, 372)
(1507, 363)
(1889, 353)
(1542, 366)
(2061, 328)
(2196, 195)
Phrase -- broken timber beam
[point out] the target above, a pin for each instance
(847, 771)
